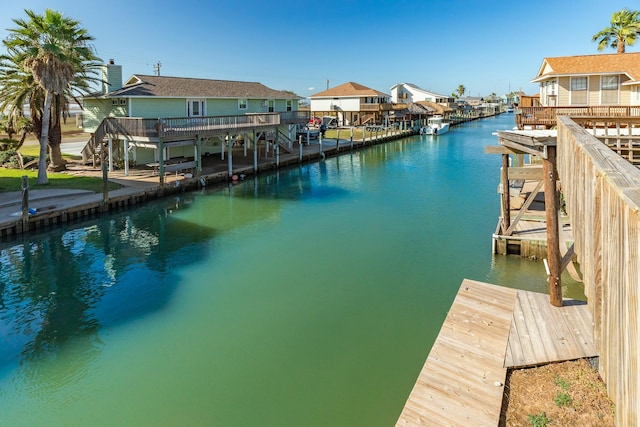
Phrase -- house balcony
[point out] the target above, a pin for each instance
(181, 127)
(376, 107)
(295, 117)
(545, 117)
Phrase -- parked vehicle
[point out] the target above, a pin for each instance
(315, 121)
(307, 131)
(330, 122)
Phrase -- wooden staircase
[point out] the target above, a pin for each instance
(284, 142)
(93, 150)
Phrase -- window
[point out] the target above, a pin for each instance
(289, 105)
(272, 105)
(578, 91)
(242, 104)
(123, 101)
(114, 102)
(609, 89)
(549, 93)
(195, 108)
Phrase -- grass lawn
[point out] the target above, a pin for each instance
(11, 180)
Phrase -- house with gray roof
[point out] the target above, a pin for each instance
(151, 119)
(149, 96)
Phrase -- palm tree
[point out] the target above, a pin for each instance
(624, 29)
(461, 90)
(54, 50)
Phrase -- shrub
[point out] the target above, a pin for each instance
(9, 159)
(539, 420)
(562, 399)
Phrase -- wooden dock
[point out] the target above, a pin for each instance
(489, 329)
(541, 333)
(142, 183)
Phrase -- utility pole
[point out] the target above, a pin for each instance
(156, 68)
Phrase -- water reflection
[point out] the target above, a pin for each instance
(316, 181)
(66, 285)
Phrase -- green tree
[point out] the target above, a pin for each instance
(55, 52)
(625, 25)
(461, 90)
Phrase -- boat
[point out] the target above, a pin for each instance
(435, 126)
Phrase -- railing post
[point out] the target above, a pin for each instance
(110, 153)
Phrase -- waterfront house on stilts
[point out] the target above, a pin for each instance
(170, 123)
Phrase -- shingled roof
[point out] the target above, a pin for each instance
(348, 89)
(140, 85)
(617, 63)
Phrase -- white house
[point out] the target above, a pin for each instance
(407, 92)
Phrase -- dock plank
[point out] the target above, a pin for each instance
(457, 384)
(542, 333)
(488, 330)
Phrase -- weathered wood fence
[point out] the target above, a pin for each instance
(602, 194)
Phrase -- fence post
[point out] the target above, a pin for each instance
(300, 148)
(25, 201)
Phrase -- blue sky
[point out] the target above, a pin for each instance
(486, 45)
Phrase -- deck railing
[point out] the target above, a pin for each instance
(376, 107)
(295, 117)
(602, 199)
(182, 126)
(620, 134)
(546, 117)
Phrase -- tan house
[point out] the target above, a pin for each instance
(352, 104)
(590, 80)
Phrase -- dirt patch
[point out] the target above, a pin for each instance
(559, 394)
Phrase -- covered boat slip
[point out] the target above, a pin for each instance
(489, 329)
(521, 228)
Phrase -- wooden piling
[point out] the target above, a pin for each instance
(553, 240)
(506, 204)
